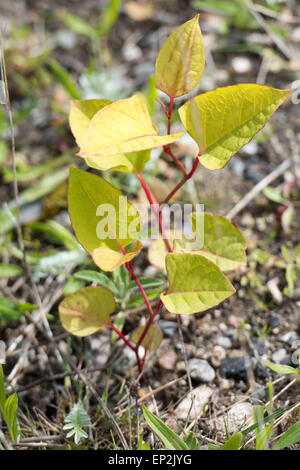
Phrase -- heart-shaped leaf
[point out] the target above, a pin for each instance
(224, 120)
(181, 61)
(81, 113)
(223, 242)
(215, 238)
(122, 127)
(90, 198)
(195, 284)
(109, 260)
(87, 311)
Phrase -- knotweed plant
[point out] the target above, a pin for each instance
(119, 136)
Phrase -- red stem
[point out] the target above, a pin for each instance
(149, 323)
(155, 209)
(181, 183)
(175, 159)
(136, 279)
(170, 114)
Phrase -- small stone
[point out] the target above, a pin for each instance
(218, 355)
(192, 405)
(274, 321)
(238, 417)
(200, 370)
(167, 360)
(233, 321)
(168, 327)
(259, 393)
(295, 35)
(180, 366)
(234, 368)
(279, 355)
(224, 342)
(289, 338)
(241, 65)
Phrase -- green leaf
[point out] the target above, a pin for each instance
(152, 339)
(11, 311)
(233, 443)
(9, 414)
(137, 299)
(10, 270)
(87, 311)
(290, 437)
(224, 120)
(88, 194)
(75, 421)
(195, 284)
(223, 242)
(167, 436)
(94, 276)
(281, 369)
(64, 78)
(59, 233)
(120, 128)
(181, 61)
(109, 17)
(77, 25)
(109, 260)
(147, 283)
(274, 195)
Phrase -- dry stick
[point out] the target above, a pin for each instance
(258, 188)
(276, 39)
(16, 190)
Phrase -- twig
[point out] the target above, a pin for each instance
(279, 170)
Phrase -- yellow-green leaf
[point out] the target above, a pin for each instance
(181, 61)
(223, 242)
(122, 127)
(81, 112)
(195, 284)
(219, 240)
(224, 120)
(99, 213)
(151, 340)
(128, 163)
(87, 311)
(109, 260)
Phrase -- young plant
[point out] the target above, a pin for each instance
(119, 136)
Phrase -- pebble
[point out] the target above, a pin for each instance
(238, 417)
(241, 65)
(289, 338)
(224, 342)
(167, 360)
(192, 405)
(274, 321)
(168, 327)
(259, 393)
(234, 368)
(233, 321)
(200, 370)
(218, 355)
(279, 355)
